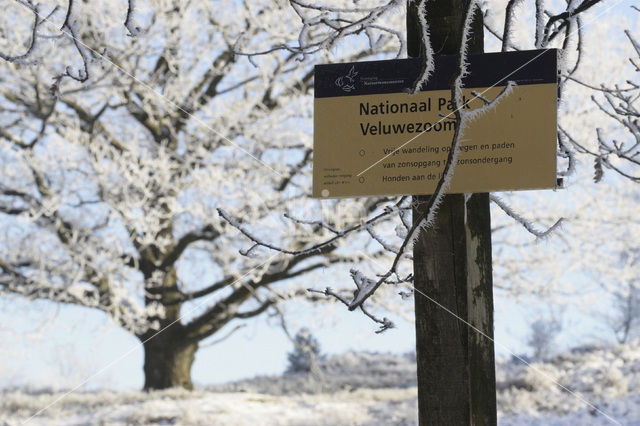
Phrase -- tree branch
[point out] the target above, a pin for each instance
(207, 233)
(255, 312)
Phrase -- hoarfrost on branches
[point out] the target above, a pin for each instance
(113, 176)
(555, 26)
(133, 169)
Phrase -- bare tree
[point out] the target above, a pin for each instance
(624, 318)
(151, 184)
(118, 151)
(542, 337)
(620, 103)
(625, 322)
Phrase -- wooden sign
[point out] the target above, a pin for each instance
(372, 138)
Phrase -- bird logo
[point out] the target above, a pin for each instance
(347, 82)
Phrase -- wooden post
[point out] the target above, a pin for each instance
(452, 266)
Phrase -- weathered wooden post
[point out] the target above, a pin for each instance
(452, 266)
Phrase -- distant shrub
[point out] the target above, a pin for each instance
(305, 354)
(625, 320)
(542, 336)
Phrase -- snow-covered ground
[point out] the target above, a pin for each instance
(358, 389)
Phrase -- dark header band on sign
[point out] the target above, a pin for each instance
(485, 70)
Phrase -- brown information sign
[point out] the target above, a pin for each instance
(371, 138)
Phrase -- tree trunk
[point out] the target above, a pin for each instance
(168, 360)
(168, 354)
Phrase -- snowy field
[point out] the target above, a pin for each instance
(357, 389)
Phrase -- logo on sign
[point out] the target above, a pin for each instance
(348, 82)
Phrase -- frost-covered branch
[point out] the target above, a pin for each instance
(115, 182)
(557, 23)
(508, 22)
(315, 248)
(426, 53)
(129, 21)
(548, 26)
(208, 344)
(71, 29)
(526, 224)
(371, 231)
(114, 185)
(366, 286)
(622, 105)
(323, 26)
(24, 59)
(566, 152)
(385, 323)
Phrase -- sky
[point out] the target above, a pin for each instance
(65, 346)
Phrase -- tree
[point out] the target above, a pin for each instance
(121, 156)
(542, 336)
(305, 354)
(148, 183)
(625, 322)
(619, 153)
